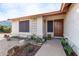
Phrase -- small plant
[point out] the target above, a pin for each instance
(33, 37)
(29, 49)
(46, 38)
(68, 49)
(49, 37)
(63, 41)
(38, 40)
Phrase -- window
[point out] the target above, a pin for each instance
(50, 26)
(24, 26)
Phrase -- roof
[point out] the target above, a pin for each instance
(64, 9)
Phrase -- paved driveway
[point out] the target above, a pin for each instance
(51, 48)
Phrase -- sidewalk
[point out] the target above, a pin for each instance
(51, 48)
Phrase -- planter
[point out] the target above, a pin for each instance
(68, 50)
(25, 50)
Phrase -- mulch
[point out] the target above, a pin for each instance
(20, 50)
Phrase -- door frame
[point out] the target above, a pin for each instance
(52, 33)
(62, 27)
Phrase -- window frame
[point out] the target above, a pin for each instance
(23, 26)
(48, 28)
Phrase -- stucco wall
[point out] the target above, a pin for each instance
(15, 27)
(71, 27)
(33, 26)
(40, 26)
(36, 27)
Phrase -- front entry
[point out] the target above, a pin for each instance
(58, 28)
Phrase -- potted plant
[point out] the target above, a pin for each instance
(49, 37)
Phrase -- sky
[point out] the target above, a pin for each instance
(5, 23)
(14, 10)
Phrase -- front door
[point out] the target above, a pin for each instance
(58, 27)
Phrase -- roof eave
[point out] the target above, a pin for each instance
(64, 8)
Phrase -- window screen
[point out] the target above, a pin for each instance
(50, 26)
(24, 26)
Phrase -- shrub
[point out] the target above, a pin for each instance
(66, 46)
(68, 49)
(45, 37)
(6, 30)
(38, 40)
(29, 49)
(64, 42)
(33, 37)
(1, 28)
(49, 37)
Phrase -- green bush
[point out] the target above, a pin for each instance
(66, 46)
(45, 38)
(29, 49)
(5, 29)
(68, 49)
(38, 40)
(33, 37)
(49, 37)
(64, 42)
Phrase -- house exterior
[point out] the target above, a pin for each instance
(40, 24)
(62, 23)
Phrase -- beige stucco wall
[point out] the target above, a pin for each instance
(33, 26)
(40, 26)
(71, 27)
(15, 28)
(36, 27)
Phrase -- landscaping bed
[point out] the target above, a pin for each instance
(30, 48)
(67, 48)
(25, 50)
(72, 54)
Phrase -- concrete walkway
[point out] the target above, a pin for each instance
(51, 48)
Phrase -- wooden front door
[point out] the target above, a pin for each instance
(58, 27)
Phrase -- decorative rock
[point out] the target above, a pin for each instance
(22, 42)
(43, 40)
